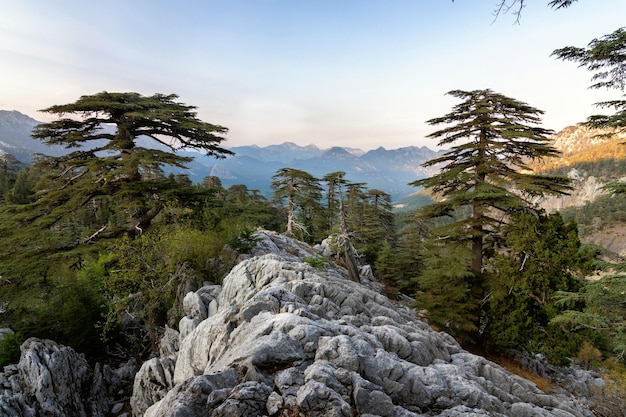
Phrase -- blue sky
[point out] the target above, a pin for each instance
(348, 73)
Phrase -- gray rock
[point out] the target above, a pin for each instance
(292, 339)
(191, 397)
(48, 381)
(5, 331)
(247, 399)
(194, 307)
(274, 403)
(152, 383)
(53, 380)
(169, 343)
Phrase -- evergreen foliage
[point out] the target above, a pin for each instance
(606, 58)
(486, 173)
(540, 256)
(447, 290)
(597, 309)
(9, 169)
(114, 164)
(300, 193)
(400, 261)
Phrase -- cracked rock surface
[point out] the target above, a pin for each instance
(281, 338)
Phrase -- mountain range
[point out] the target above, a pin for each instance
(389, 170)
(254, 166)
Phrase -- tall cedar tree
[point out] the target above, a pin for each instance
(486, 174)
(333, 180)
(109, 160)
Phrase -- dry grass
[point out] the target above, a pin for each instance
(515, 368)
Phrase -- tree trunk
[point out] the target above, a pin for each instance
(290, 214)
(349, 252)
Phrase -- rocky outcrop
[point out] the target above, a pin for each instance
(51, 380)
(585, 189)
(282, 338)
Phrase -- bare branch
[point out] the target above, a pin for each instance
(94, 235)
(516, 6)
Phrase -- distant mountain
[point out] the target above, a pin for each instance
(254, 166)
(16, 140)
(285, 152)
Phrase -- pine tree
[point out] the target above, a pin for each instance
(485, 177)
(300, 193)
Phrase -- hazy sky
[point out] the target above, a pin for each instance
(357, 73)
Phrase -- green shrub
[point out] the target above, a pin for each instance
(10, 348)
(68, 312)
(245, 241)
(316, 262)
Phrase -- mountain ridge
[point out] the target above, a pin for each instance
(390, 170)
(254, 166)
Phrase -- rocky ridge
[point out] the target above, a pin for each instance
(282, 338)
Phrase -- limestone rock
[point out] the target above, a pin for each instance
(152, 383)
(47, 381)
(53, 380)
(284, 338)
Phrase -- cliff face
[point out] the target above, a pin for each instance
(581, 144)
(585, 189)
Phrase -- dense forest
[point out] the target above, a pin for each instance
(100, 246)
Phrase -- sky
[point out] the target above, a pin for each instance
(351, 73)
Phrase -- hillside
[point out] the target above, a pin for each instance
(592, 158)
(581, 144)
(15, 139)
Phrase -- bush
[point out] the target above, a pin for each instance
(316, 262)
(245, 241)
(588, 356)
(10, 348)
(69, 313)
